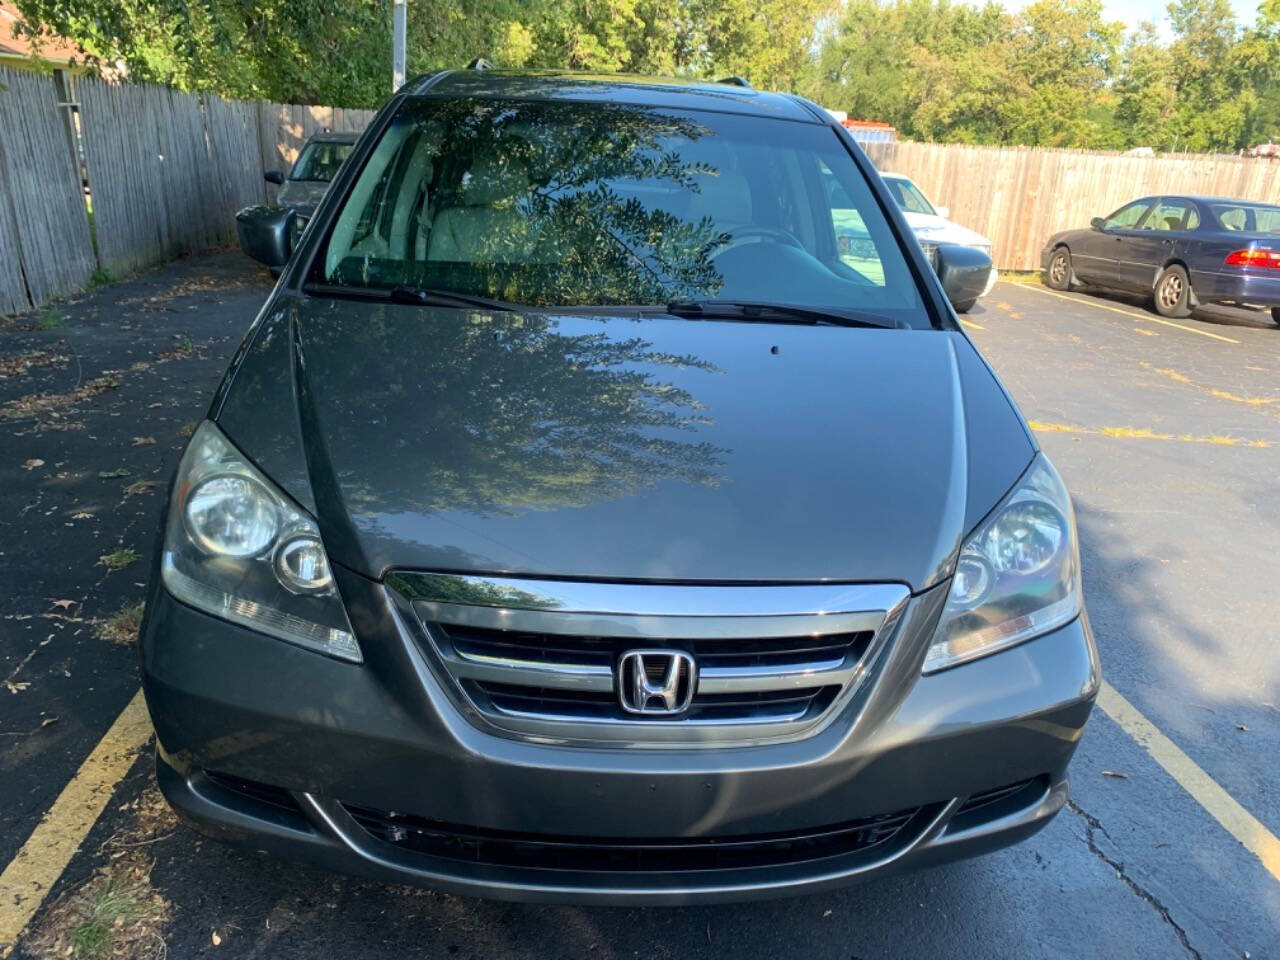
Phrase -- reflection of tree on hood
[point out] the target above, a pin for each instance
(446, 588)
(567, 236)
(501, 413)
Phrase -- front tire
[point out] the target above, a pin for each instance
(1172, 293)
(964, 306)
(1275, 316)
(1058, 275)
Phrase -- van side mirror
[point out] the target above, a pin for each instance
(1098, 224)
(273, 176)
(943, 212)
(963, 271)
(266, 234)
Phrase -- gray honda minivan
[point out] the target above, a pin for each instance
(579, 521)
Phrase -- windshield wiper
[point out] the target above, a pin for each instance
(432, 297)
(751, 311)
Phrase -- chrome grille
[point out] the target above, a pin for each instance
(541, 657)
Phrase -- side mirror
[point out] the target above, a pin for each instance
(266, 234)
(273, 176)
(1098, 224)
(963, 271)
(943, 212)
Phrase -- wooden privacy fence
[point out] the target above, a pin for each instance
(165, 171)
(45, 250)
(1019, 196)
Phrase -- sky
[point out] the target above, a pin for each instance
(1133, 12)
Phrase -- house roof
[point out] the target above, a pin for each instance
(50, 48)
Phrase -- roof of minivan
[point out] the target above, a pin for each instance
(613, 88)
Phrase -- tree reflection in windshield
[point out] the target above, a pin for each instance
(537, 204)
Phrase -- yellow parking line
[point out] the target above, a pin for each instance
(970, 323)
(1224, 808)
(1146, 318)
(27, 879)
(1145, 433)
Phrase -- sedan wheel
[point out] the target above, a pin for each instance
(1059, 273)
(1275, 316)
(1173, 293)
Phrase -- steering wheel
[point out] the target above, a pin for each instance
(757, 234)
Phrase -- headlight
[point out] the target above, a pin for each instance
(1017, 576)
(238, 548)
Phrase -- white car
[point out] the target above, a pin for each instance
(932, 227)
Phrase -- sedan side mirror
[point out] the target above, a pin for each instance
(943, 212)
(1098, 224)
(273, 176)
(266, 234)
(963, 271)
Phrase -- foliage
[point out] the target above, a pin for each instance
(1054, 73)
(304, 51)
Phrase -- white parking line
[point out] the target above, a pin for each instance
(1144, 317)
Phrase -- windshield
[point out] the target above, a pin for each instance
(909, 196)
(545, 204)
(1247, 217)
(320, 160)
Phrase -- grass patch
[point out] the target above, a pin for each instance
(116, 913)
(122, 626)
(100, 277)
(50, 320)
(118, 559)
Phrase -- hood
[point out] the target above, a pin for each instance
(302, 195)
(653, 449)
(939, 230)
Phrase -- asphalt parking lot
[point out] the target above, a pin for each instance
(1167, 433)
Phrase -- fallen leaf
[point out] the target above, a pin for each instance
(64, 604)
(143, 441)
(82, 516)
(1115, 773)
(48, 720)
(217, 940)
(16, 687)
(112, 474)
(1241, 727)
(826, 913)
(33, 463)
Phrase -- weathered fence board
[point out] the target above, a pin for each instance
(45, 244)
(235, 151)
(152, 180)
(167, 172)
(1019, 196)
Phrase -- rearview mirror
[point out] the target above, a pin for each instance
(266, 234)
(1098, 223)
(963, 271)
(273, 176)
(943, 212)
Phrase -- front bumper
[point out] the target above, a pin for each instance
(289, 752)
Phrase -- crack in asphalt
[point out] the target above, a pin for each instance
(1091, 826)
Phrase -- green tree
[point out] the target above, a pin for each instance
(1214, 96)
(1258, 56)
(1146, 92)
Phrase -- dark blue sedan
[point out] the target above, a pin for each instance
(1184, 252)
